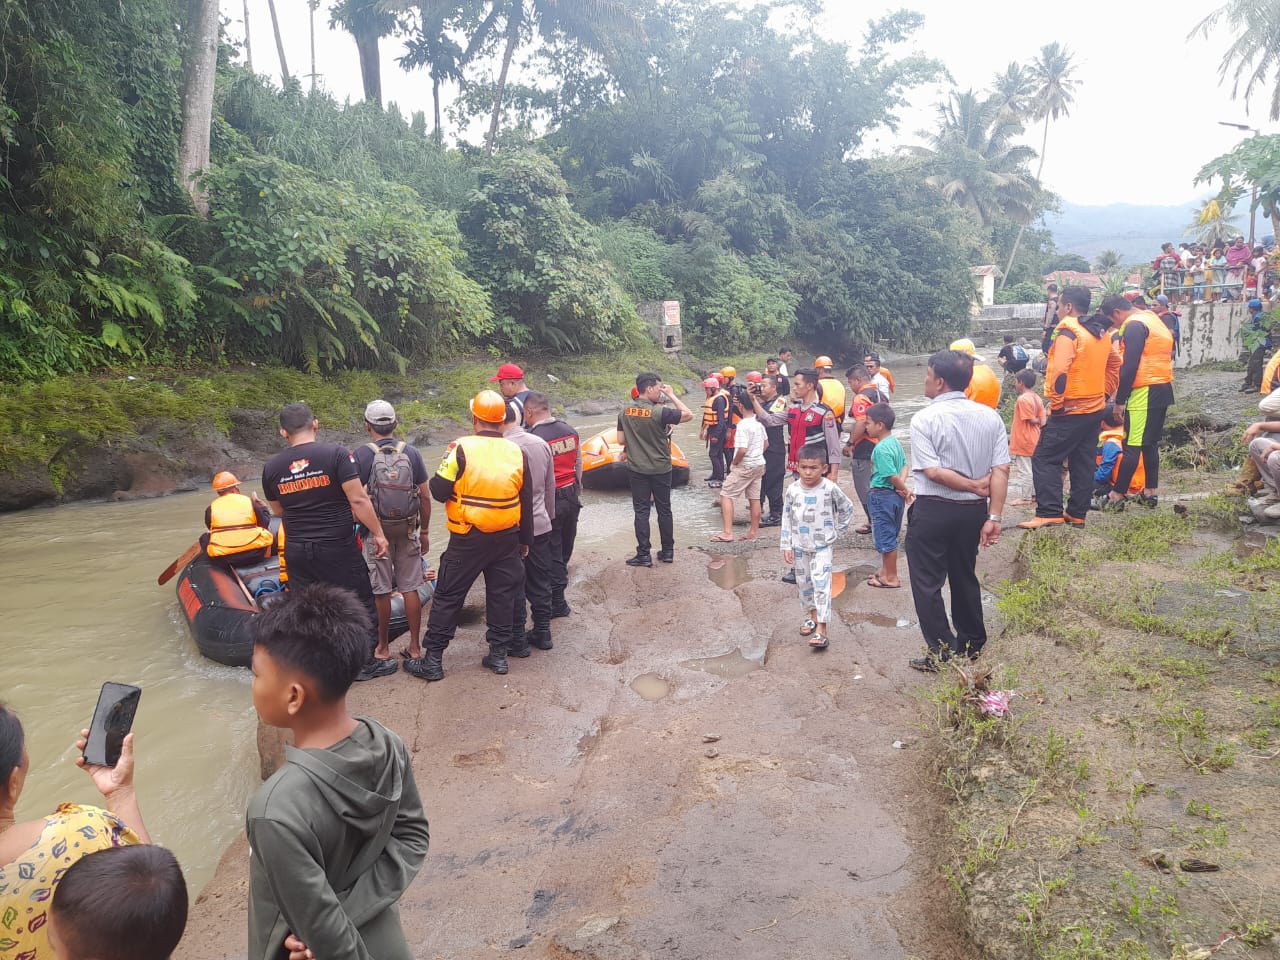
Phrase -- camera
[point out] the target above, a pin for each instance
(754, 387)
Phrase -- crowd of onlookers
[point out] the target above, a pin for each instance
(1205, 272)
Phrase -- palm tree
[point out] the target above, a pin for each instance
(1106, 262)
(367, 21)
(977, 165)
(1055, 92)
(1256, 49)
(598, 25)
(1014, 89)
(1212, 221)
(430, 44)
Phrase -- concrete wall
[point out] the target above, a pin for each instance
(1023, 320)
(1211, 332)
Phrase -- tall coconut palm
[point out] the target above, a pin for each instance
(1053, 72)
(275, 28)
(248, 43)
(430, 42)
(1214, 220)
(1013, 89)
(1255, 53)
(368, 21)
(599, 25)
(976, 163)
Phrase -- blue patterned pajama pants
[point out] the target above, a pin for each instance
(813, 577)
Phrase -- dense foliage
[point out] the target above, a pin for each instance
(671, 150)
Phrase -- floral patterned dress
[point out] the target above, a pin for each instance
(26, 884)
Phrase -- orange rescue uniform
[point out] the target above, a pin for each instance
(233, 527)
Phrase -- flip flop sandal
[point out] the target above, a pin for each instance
(403, 653)
(874, 581)
(808, 628)
(819, 642)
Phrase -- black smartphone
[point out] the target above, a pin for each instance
(112, 721)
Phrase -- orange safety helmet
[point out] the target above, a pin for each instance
(823, 361)
(488, 405)
(728, 372)
(755, 376)
(711, 383)
(225, 480)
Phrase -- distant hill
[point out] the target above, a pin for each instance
(1135, 231)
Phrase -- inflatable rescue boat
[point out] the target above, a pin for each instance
(219, 604)
(604, 469)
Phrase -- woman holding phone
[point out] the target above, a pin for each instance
(34, 853)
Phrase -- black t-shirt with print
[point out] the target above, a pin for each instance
(306, 481)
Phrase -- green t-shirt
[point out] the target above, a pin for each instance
(644, 425)
(887, 460)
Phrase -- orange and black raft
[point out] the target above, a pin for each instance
(604, 469)
(219, 604)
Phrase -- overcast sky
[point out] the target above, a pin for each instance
(1138, 74)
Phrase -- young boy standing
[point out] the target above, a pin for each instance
(888, 497)
(745, 478)
(814, 512)
(1028, 418)
(338, 832)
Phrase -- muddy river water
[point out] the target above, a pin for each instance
(80, 606)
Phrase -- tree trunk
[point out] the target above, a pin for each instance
(370, 67)
(199, 66)
(313, 4)
(275, 26)
(435, 103)
(1022, 228)
(248, 46)
(514, 16)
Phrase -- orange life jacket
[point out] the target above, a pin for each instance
(708, 409)
(1116, 435)
(984, 388)
(233, 527)
(833, 396)
(1086, 387)
(1156, 365)
(1271, 374)
(486, 495)
(284, 573)
(893, 386)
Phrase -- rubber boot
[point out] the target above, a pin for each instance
(519, 647)
(430, 667)
(496, 658)
(559, 605)
(539, 637)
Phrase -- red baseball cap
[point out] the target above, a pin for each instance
(508, 371)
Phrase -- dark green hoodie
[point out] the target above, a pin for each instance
(335, 837)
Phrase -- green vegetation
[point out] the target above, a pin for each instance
(329, 237)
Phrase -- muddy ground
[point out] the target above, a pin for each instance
(681, 777)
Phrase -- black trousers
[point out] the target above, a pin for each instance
(497, 556)
(716, 451)
(775, 471)
(340, 564)
(1253, 373)
(658, 487)
(942, 546)
(1073, 438)
(535, 591)
(564, 533)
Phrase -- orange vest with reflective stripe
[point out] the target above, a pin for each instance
(233, 527)
(1156, 365)
(708, 411)
(1271, 374)
(284, 571)
(984, 388)
(486, 496)
(1086, 388)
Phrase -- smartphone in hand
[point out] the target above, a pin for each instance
(112, 721)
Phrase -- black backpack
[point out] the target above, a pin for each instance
(391, 486)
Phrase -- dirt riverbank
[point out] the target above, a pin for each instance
(681, 777)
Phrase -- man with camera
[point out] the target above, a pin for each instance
(766, 397)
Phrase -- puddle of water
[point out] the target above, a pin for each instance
(727, 572)
(729, 665)
(650, 686)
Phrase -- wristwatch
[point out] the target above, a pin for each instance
(993, 517)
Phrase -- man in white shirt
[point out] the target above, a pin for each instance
(745, 478)
(960, 465)
(784, 358)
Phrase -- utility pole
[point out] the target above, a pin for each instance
(1253, 200)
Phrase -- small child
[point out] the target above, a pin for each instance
(120, 903)
(889, 495)
(1110, 456)
(1028, 419)
(340, 826)
(814, 512)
